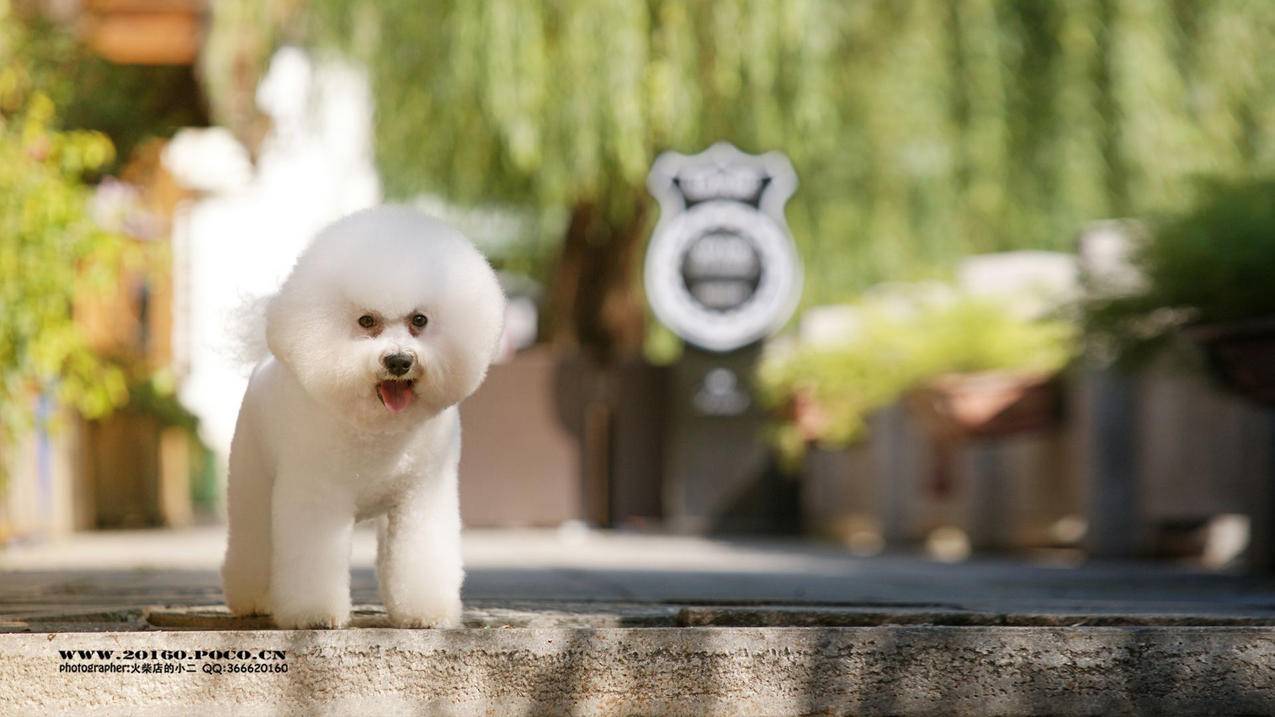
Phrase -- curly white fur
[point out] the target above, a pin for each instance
(330, 433)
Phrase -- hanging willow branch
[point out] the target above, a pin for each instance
(921, 129)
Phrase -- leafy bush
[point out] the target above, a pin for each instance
(51, 253)
(1213, 262)
(828, 392)
(128, 103)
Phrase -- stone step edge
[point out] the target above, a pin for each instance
(716, 671)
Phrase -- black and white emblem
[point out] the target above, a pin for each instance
(721, 269)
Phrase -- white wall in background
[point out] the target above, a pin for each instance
(237, 242)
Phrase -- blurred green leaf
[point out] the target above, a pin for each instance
(1211, 262)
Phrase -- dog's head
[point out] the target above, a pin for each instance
(388, 316)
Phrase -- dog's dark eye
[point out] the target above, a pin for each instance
(366, 321)
(420, 320)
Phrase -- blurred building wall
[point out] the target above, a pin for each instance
(1196, 454)
(46, 491)
(519, 465)
(238, 240)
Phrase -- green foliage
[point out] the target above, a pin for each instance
(156, 396)
(899, 341)
(128, 103)
(1213, 262)
(922, 130)
(50, 252)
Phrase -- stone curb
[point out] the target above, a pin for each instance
(754, 671)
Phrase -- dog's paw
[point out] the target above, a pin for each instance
(248, 605)
(311, 618)
(446, 615)
(245, 600)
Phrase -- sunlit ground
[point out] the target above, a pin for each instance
(576, 563)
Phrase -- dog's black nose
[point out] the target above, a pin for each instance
(398, 364)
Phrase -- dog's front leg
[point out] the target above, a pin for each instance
(312, 528)
(245, 574)
(419, 560)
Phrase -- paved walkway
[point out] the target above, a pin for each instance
(119, 570)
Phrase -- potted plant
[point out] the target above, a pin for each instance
(1206, 274)
(963, 365)
(983, 370)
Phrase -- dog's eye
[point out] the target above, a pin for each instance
(366, 321)
(420, 320)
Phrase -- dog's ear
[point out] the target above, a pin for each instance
(469, 348)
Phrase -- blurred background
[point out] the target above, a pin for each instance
(1037, 242)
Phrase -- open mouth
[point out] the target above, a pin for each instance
(395, 395)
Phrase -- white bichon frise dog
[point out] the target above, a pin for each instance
(389, 319)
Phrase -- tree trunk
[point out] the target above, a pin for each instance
(596, 313)
(595, 302)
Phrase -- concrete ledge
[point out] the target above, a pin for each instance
(662, 671)
(605, 613)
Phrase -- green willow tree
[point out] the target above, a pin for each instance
(922, 130)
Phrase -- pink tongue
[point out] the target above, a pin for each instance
(396, 395)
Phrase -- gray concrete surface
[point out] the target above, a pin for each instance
(581, 622)
(662, 671)
(138, 568)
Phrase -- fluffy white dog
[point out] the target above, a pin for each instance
(389, 319)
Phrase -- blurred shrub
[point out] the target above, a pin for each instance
(51, 252)
(128, 103)
(1212, 262)
(826, 393)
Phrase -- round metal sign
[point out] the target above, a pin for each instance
(721, 269)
